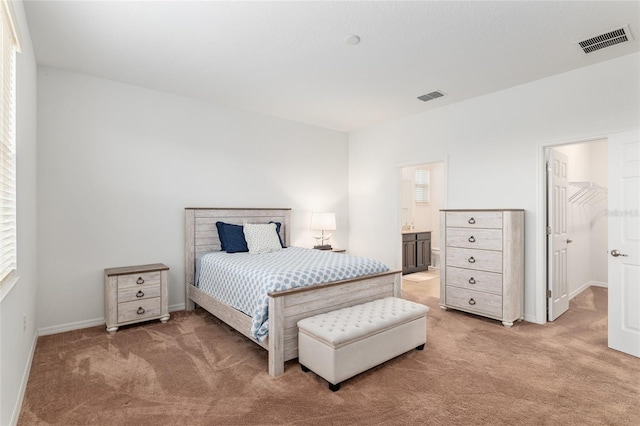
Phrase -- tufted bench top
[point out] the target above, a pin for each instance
(357, 322)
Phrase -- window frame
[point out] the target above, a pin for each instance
(9, 47)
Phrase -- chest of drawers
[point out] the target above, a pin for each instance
(482, 254)
(135, 293)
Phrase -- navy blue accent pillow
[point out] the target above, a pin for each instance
(220, 227)
(278, 225)
(232, 237)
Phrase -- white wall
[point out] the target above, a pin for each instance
(117, 165)
(493, 145)
(16, 344)
(599, 236)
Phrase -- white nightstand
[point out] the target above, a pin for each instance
(135, 293)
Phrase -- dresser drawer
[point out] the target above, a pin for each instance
(138, 310)
(488, 239)
(474, 301)
(470, 219)
(483, 260)
(139, 292)
(474, 280)
(136, 280)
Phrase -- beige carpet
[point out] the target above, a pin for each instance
(195, 371)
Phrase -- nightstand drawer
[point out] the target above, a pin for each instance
(138, 310)
(474, 301)
(484, 260)
(471, 219)
(487, 239)
(474, 280)
(139, 292)
(136, 280)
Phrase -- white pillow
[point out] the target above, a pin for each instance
(261, 238)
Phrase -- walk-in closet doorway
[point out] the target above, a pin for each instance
(577, 191)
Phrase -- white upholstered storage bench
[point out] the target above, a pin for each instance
(338, 345)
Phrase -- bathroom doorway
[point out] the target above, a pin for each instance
(423, 195)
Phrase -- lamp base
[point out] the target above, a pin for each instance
(323, 247)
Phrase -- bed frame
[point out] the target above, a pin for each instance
(286, 307)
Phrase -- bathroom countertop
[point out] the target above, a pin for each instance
(415, 231)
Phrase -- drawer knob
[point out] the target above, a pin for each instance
(472, 239)
(472, 302)
(472, 260)
(139, 280)
(472, 221)
(140, 310)
(140, 294)
(472, 280)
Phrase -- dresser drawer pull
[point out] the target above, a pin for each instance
(140, 294)
(472, 221)
(141, 311)
(472, 280)
(139, 280)
(471, 260)
(471, 239)
(472, 302)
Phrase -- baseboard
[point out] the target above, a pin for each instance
(178, 307)
(532, 319)
(23, 385)
(71, 326)
(585, 286)
(61, 328)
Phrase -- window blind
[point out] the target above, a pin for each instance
(422, 181)
(8, 246)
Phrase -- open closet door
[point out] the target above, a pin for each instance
(557, 235)
(624, 242)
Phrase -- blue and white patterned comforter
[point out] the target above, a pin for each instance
(243, 280)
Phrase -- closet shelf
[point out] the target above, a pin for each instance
(588, 193)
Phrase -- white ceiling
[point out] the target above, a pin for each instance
(290, 59)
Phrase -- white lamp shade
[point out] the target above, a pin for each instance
(323, 221)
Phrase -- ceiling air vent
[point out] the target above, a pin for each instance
(430, 96)
(610, 38)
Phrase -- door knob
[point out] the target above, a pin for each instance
(616, 253)
(569, 241)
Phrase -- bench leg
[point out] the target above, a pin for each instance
(303, 368)
(334, 388)
(421, 347)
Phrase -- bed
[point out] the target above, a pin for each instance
(285, 307)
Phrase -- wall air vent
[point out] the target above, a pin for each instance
(430, 96)
(621, 35)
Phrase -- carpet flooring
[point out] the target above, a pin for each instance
(195, 370)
